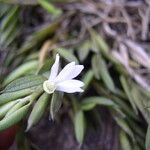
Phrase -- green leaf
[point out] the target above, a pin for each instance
(67, 54)
(46, 66)
(106, 76)
(26, 82)
(84, 50)
(6, 97)
(10, 30)
(26, 100)
(96, 66)
(139, 101)
(99, 41)
(11, 15)
(125, 107)
(127, 90)
(11, 37)
(6, 107)
(14, 118)
(56, 102)
(90, 102)
(38, 110)
(122, 123)
(38, 36)
(32, 56)
(79, 125)
(21, 70)
(22, 102)
(88, 106)
(87, 78)
(147, 143)
(50, 7)
(124, 140)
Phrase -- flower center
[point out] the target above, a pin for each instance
(49, 87)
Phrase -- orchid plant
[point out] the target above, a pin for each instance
(110, 80)
(21, 93)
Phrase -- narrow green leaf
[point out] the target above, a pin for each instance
(125, 107)
(90, 102)
(5, 34)
(56, 102)
(44, 32)
(67, 54)
(143, 90)
(122, 123)
(79, 125)
(26, 100)
(124, 140)
(88, 106)
(46, 66)
(99, 41)
(7, 97)
(127, 90)
(38, 110)
(6, 107)
(38, 36)
(50, 7)
(147, 143)
(106, 76)
(83, 50)
(32, 56)
(20, 71)
(120, 102)
(14, 118)
(22, 102)
(87, 78)
(28, 81)
(10, 17)
(11, 37)
(139, 101)
(96, 66)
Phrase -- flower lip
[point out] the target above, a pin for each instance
(49, 86)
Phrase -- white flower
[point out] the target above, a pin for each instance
(64, 80)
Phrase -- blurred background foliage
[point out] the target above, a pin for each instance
(110, 38)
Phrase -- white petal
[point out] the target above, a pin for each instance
(69, 72)
(66, 71)
(70, 86)
(54, 69)
(73, 83)
(76, 71)
(70, 90)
